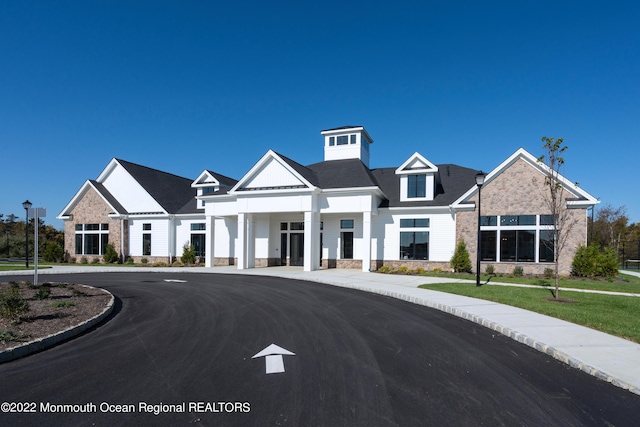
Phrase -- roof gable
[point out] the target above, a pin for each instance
(416, 164)
(273, 171)
(109, 199)
(582, 198)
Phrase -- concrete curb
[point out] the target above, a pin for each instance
(513, 334)
(43, 343)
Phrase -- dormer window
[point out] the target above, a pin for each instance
(416, 186)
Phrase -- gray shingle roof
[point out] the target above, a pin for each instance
(452, 181)
(109, 197)
(172, 192)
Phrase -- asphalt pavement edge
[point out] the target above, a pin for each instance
(43, 343)
(513, 334)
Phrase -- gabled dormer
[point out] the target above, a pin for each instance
(206, 183)
(417, 179)
(347, 142)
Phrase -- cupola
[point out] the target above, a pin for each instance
(347, 142)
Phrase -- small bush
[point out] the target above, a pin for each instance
(53, 252)
(144, 261)
(73, 260)
(384, 269)
(95, 261)
(129, 261)
(9, 336)
(437, 270)
(518, 271)
(160, 264)
(110, 255)
(43, 292)
(418, 270)
(63, 304)
(460, 262)
(404, 269)
(12, 305)
(188, 254)
(84, 260)
(489, 269)
(548, 273)
(591, 261)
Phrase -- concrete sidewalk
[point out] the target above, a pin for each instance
(607, 357)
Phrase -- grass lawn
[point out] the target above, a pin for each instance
(15, 267)
(622, 283)
(615, 315)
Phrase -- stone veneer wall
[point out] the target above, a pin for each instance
(518, 190)
(91, 209)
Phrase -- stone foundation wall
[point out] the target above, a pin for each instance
(412, 265)
(223, 262)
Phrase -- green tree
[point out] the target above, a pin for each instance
(555, 198)
(110, 255)
(53, 252)
(188, 254)
(460, 261)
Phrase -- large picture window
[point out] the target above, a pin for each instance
(91, 239)
(516, 238)
(414, 239)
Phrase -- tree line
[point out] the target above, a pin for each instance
(610, 227)
(13, 239)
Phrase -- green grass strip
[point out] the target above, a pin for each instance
(615, 315)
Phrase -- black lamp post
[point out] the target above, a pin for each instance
(8, 251)
(26, 205)
(480, 176)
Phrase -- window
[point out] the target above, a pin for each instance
(146, 227)
(416, 186)
(414, 244)
(342, 140)
(332, 141)
(284, 226)
(297, 225)
(353, 138)
(91, 239)
(346, 239)
(346, 223)
(146, 244)
(198, 227)
(546, 245)
(516, 238)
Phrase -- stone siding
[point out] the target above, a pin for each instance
(519, 190)
(91, 209)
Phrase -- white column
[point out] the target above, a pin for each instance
(311, 241)
(250, 242)
(210, 226)
(240, 250)
(366, 241)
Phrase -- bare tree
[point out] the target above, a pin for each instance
(555, 198)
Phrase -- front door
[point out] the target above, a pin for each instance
(296, 248)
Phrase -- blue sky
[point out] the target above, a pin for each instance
(193, 85)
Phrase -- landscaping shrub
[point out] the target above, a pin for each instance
(489, 269)
(53, 252)
(188, 254)
(144, 261)
(460, 262)
(95, 261)
(518, 271)
(84, 260)
(110, 255)
(548, 273)
(384, 269)
(12, 305)
(591, 261)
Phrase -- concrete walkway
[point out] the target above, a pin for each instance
(607, 357)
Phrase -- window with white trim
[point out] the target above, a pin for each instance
(414, 239)
(517, 238)
(91, 239)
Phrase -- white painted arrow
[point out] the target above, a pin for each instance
(273, 358)
(175, 280)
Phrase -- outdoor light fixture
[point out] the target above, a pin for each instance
(480, 176)
(26, 205)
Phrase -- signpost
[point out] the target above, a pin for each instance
(36, 213)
